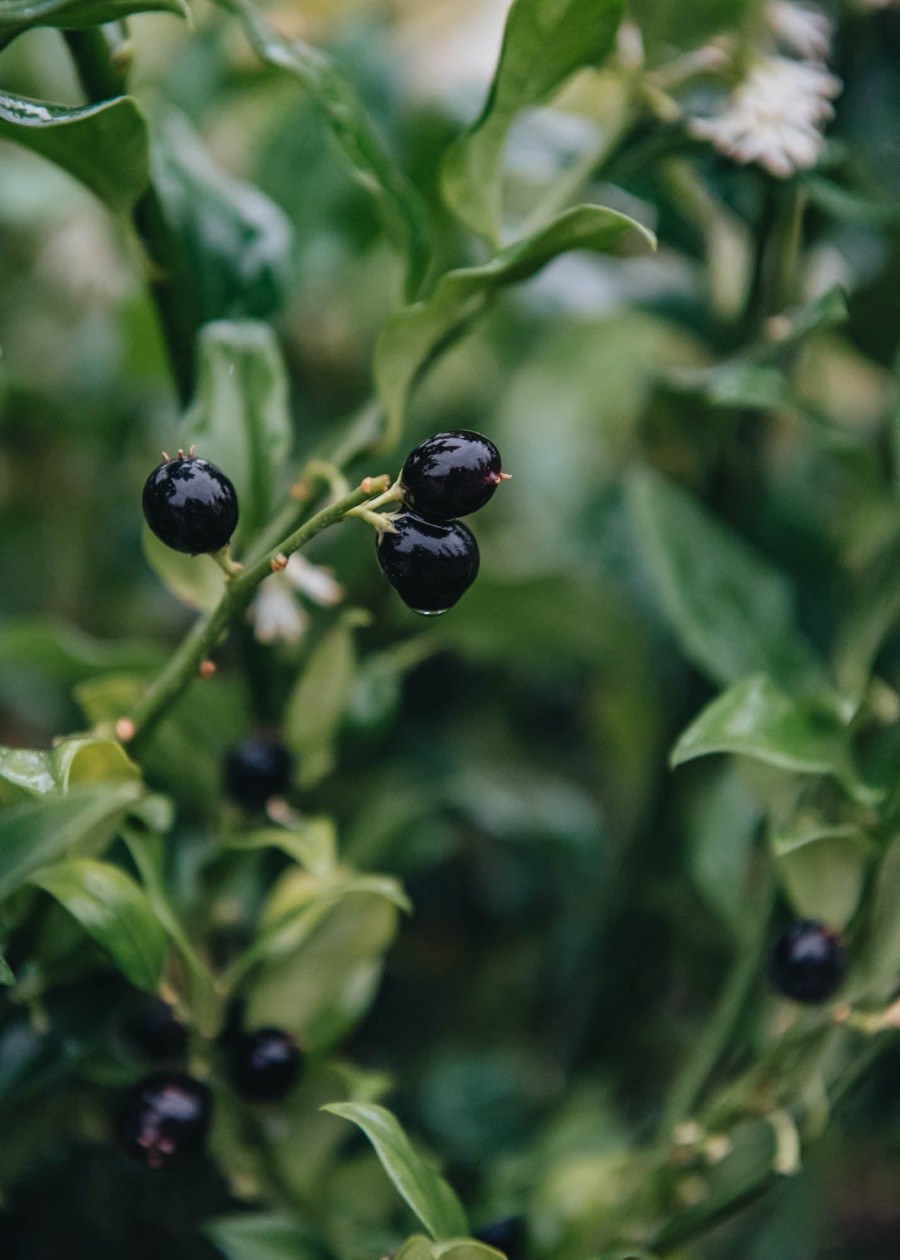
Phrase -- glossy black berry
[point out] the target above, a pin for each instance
(164, 1119)
(190, 505)
(451, 474)
(265, 1064)
(430, 564)
(257, 770)
(507, 1235)
(808, 962)
(154, 1032)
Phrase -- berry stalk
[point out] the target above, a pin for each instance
(184, 665)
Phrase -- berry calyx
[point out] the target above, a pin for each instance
(451, 474)
(808, 962)
(430, 564)
(258, 769)
(507, 1235)
(190, 505)
(164, 1119)
(155, 1033)
(265, 1064)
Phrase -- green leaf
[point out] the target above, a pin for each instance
(881, 954)
(823, 869)
(6, 974)
(317, 703)
(320, 989)
(358, 146)
(544, 43)
(25, 772)
(195, 581)
(103, 146)
(38, 832)
(310, 841)
(722, 826)
(667, 25)
(112, 909)
(424, 1190)
(262, 1236)
(240, 418)
(755, 718)
(419, 1248)
(288, 924)
(85, 759)
(731, 610)
(64, 653)
(22, 15)
(416, 334)
(148, 853)
(233, 244)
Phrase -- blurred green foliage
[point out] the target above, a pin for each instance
(697, 556)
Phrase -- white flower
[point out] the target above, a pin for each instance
(802, 29)
(313, 581)
(775, 116)
(276, 612)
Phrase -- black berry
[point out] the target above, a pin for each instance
(154, 1032)
(430, 564)
(190, 505)
(508, 1236)
(808, 962)
(164, 1119)
(451, 474)
(265, 1064)
(257, 770)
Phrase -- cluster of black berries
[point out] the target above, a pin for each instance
(429, 557)
(809, 962)
(165, 1117)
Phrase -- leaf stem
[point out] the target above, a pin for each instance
(102, 77)
(201, 640)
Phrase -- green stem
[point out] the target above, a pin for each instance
(102, 78)
(183, 666)
(710, 1048)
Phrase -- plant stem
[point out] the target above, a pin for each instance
(690, 1083)
(102, 79)
(206, 633)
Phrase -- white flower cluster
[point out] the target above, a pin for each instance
(776, 115)
(277, 614)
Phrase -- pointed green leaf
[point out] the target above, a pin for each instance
(22, 15)
(103, 146)
(755, 718)
(287, 926)
(823, 869)
(356, 142)
(262, 1236)
(6, 975)
(731, 610)
(317, 703)
(232, 243)
(424, 1190)
(415, 335)
(112, 909)
(240, 417)
(544, 43)
(38, 832)
(61, 652)
(310, 841)
(195, 581)
(25, 772)
(85, 759)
